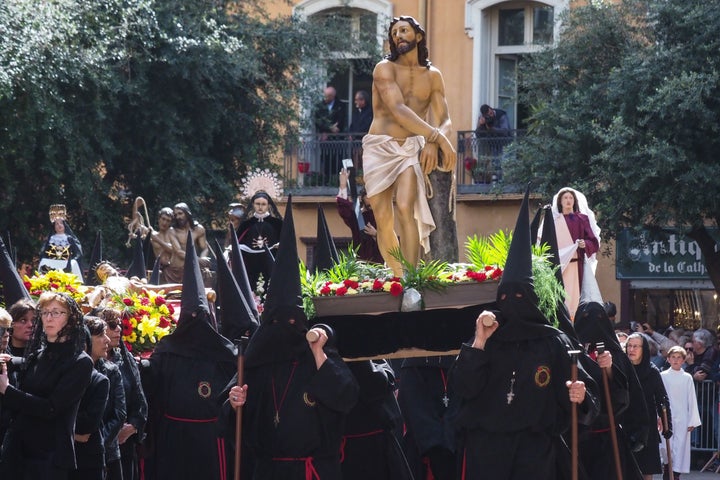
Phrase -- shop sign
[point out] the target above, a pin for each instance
(659, 254)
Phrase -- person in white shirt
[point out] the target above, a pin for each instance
(685, 415)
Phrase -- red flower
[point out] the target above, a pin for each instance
(142, 312)
(54, 285)
(480, 277)
(171, 309)
(488, 268)
(395, 279)
(377, 285)
(127, 328)
(163, 323)
(350, 284)
(144, 301)
(496, 274)
(159, 300)
(395, 289)
(325, 290)
(129, 346)
(28, 285)
(470, 163)
(341, 291)
(127, 301)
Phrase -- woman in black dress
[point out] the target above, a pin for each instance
(44, 403)
(638, 351)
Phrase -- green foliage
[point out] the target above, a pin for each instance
(626, 109)
(173, 101)
(350, 266)
(490, 250)
(309, 283)
(426, 275)
(548, 289)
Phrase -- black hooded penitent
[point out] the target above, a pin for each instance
(187, 373)
(13, 288)
(281, 334)
(236, 316)
(325, 251)
(137, 267)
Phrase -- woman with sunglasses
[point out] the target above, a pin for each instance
(44, 403)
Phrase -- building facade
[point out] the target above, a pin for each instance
(478, 45)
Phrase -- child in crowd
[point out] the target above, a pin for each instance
(685, 415)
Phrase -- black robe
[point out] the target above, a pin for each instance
(311, 406)
(595, 442)
(515, 404)
(648, 458)
(90, 455)
(136, 408)
(261, 262)
(115, 410)
(373, 430)
(186, 374)
(40, 440)
(428, 406)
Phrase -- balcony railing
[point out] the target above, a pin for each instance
(312, 162)
(482, 155)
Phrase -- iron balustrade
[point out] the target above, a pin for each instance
(705, 437)
(312, 162)
(481, 155)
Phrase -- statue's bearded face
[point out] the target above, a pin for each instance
(180, 217)
(405, 37)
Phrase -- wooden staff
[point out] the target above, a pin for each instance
(600, 349)
(666, 427)
(574, 417)
(238, 412)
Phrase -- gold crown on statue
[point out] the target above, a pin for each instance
(264, 180)
(57, 210)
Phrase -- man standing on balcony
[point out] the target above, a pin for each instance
(329, 118)
(362, 117)
(407, 140)
(492, 120)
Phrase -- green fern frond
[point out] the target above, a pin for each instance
(424, 275)
(548, 289)
(309, 284)
(490, 250)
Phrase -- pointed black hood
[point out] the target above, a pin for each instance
(516, 298)
(137, 267)
(281, 335)
(325, 252)
(155, 275)
(96, 256)
(535, 225)
(284, 290)
(237, 266)
(236, 316)
(13, 288)
(195, 336)
(193, 298)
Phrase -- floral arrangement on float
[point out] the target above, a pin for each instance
(146, 318)
(371, 288)
(353, 286)
(55, 281)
